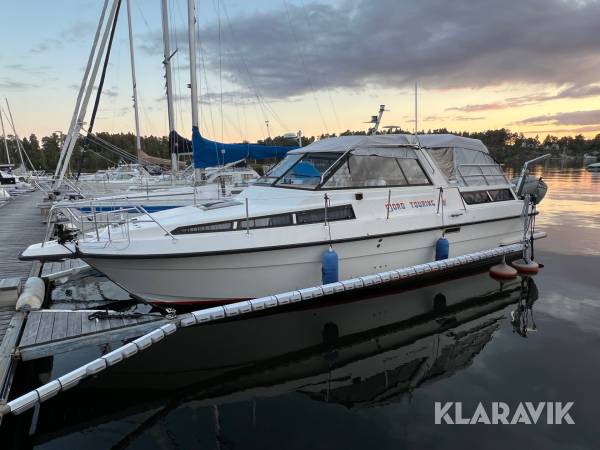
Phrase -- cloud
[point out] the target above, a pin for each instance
(293, 50)
(469, 118)
(12, 85)
(587, 129)
(572, 91)
(479, 107)
(47, 45)
(591, 117)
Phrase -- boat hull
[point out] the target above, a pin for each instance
(223, 278)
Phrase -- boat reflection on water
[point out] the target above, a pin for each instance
(360, 352)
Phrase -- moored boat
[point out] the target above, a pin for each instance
(381, 202)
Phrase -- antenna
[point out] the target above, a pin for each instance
(416, 111)
(376, 120)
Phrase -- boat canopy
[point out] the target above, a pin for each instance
(463, 160)
(344, 143)
(209, 153)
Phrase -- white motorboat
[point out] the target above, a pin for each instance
(219, 182)
(594, 167)
(381, 202)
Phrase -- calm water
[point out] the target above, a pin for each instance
(362, 372)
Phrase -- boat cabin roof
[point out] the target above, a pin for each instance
(344, 143)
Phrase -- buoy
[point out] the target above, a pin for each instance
(442, 249)
(32, 296)
(503, 271)
(529, 268)
(330, 266)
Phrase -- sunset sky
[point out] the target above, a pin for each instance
(316, 66)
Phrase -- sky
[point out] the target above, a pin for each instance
(532, 66)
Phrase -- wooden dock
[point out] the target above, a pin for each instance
(20, 226)
(57, 269)
(50, 332)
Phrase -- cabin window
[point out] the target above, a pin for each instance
(377, 171)
(501, 195)
(413, 171)
(307, 173)
(204, 228)
(318, 215)
(279, 169)
(476, 197)
(280, 220)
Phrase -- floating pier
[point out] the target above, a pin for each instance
(20, 225)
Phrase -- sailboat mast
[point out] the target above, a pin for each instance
(73, 124)
(4, 138)
(12, 124)
(194, 82)
(74, 131)
(138, 141)
(192, 47)
(168, 78)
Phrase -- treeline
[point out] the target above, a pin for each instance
(90, 156)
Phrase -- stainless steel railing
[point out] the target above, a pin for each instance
(87, 221)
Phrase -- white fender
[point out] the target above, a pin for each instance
(32, 296)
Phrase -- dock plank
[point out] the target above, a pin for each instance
(74, 324)
(31, 328)
(87, 325)
(59, 330)
(45, 330)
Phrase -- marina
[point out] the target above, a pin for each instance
(202, 259)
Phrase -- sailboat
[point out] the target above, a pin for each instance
(216, 171)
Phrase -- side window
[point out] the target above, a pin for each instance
(501, 195)
(367, 171)
(281, 220)
(475, 197)
(375, 171)
(413, 171)
(318, 215)
(204, 228)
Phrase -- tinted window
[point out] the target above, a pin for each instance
(318, 215)
(474, 198)
(501, 195)
(280, 220)
(204, 228)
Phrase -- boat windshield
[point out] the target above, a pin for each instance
(308, 171)
(279, 169)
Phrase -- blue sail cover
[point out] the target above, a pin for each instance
(209, 153)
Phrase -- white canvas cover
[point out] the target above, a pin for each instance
(467, 167)
(463, 160)
(344, 143)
